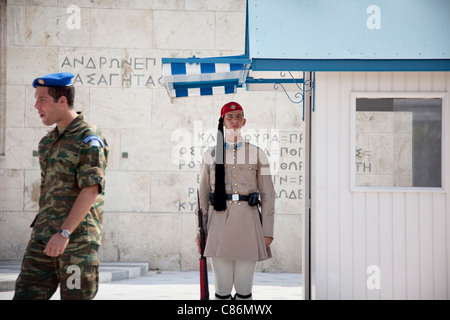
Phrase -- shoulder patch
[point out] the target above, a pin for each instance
(95, 141)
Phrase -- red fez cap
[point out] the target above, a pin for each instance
(230, 106)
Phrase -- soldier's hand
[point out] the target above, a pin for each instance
(199, 247)
(268, 241)
(197, 240)
(56, 245)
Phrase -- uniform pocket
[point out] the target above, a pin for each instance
(250, 172)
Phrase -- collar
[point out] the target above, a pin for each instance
(236, 145)
(76, 123)
(73, 126)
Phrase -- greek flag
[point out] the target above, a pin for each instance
(185, 77)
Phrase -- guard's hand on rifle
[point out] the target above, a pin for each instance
(197, 240)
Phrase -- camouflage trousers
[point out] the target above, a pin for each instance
(75, 271)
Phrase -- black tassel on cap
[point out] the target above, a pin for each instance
(220, 199)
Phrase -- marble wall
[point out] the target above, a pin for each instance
(114, 47)
(383, 154)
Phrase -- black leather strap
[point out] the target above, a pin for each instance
(241, 296)
(227, 297)
(241, 197)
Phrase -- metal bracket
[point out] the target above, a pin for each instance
(299, 95)
(302, 86)
(307, 86)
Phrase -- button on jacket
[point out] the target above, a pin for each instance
(237, 233)
(70, 161)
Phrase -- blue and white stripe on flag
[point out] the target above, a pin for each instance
(204, 76)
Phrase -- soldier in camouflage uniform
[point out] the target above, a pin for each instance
(67, 230)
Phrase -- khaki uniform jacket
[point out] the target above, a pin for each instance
(238, 233)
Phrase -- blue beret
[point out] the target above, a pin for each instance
(60, 79)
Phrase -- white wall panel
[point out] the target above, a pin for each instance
(402, 231)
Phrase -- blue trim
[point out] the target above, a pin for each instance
(178, 68)
(241, 59)
(206, 84)
(350, 65)
(206, 91)
(207, 68)
(247, 44)
(236, 66)
(181, 93)
(251, 80)
(229, 89)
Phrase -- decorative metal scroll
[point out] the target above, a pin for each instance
(298, 96)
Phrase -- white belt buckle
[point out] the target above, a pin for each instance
(235, 197)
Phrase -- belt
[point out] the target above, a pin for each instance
(233, 197)
(237, 197)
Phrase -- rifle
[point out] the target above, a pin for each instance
(204, 287)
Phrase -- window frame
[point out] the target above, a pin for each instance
(3, 77)
(399, 95)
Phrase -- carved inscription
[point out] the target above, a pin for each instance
(112, 71)
(285, 151)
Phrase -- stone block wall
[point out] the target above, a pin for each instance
(114, 47)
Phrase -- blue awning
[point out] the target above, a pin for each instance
(348, 35)
(322, 35)
(184, 77)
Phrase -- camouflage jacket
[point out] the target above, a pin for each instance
(70, 161)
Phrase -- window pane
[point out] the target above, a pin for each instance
(398, 142)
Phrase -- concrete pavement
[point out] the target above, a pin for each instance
(134, 281)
